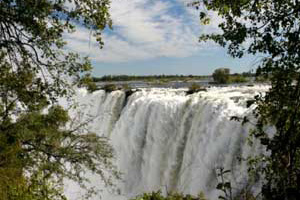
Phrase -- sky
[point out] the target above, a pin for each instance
(156, 37)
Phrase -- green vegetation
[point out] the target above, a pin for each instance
(195, 88)
(225, 186)
(172, 196)
(153, 78)
(274, 33)
(221, 75)
(40, 145)
(237, 79)
(261, 79)
(109, 88)
(87, 81)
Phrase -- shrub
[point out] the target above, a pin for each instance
(221, 75)
(237, 79)
(172, 196)
(109, 87)
(261, 79)
(87, 81)
(195, 88)
(126, 87)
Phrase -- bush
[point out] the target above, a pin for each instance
(109, 88)
(87, 81)
(237, 79)
(126, 87)
(195, 88)
(172, 196)
(261, 79)
(221, 75)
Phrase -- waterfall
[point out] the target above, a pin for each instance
(167, 140)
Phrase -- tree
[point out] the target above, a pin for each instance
(39, 147)
(221, 75)
(270, 28)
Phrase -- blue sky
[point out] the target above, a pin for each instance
(156, 37)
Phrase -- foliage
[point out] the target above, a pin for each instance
(236, 78)
(221, 75)
(39, 145)
(126, 87)
(109, 87)
(87, 81)
(195, 88)
(261, 79)
(172, 196)
(148, 78)
(224, 185)
(229, 192)
(164, 79)
(270, 28)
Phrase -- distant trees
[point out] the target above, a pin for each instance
(221, 75)
(109, 78)
(237, 78)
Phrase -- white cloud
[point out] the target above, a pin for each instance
(144, 29)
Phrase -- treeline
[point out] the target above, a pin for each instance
(145, 77)
(223, 76)
(108, 78)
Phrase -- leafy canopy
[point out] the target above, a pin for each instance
(39, 144)
(271, 29)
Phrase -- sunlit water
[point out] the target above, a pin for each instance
(167, 140)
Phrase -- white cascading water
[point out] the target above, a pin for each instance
(167, 140)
